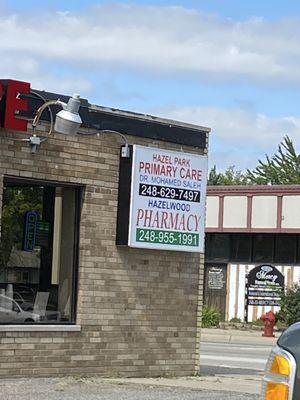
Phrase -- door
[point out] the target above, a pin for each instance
(215, 278)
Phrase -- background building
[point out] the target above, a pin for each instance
(247, 226)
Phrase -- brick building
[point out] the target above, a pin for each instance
(71, 300)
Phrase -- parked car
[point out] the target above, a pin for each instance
(282, 375)
(51, 313)
(10, 312)
(25, 305)
(26, 292)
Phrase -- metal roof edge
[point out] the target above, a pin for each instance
(149, 117)
(252, 189)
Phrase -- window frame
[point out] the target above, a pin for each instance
(273, 260)
(221, 259)
(295, 243)
(233, 237)
(11, 180)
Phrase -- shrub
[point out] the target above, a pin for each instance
(281, 325)
(210, 317)
(235, 320)
(257, 322)
(290, 306)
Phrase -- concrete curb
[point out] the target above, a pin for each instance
(230, 383)
(236, 336)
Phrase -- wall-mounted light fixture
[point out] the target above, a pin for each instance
(14, 104)
(68, 121)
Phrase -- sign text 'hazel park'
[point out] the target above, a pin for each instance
(167, 200)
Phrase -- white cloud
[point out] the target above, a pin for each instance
(64, 51)
(30, 70)
(236, 124)
(56, 51)
(158, 39)
(238, 137)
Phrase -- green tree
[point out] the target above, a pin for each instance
(283, 168)
(229, 177)
(290, 306)
(16, 201)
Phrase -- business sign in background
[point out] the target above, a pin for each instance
(168, 192)
(264, 287)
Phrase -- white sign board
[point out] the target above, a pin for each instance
(167, 210)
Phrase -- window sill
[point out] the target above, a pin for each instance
(40, 328)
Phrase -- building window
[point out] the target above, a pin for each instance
(241, 247)
(253, 248)
(298, 250)
(217, 247)
(38, 252)
(263, 247)
(285, 248)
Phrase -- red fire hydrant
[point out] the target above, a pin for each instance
(269, 323)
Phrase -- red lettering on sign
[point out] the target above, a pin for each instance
(13, 104)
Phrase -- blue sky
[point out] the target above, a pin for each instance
(229, 65)
(234, 9)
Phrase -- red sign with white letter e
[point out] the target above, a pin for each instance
(11, 104)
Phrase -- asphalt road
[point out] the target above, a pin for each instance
(97, 389)
(233, 358)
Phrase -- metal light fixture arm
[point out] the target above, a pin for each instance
(125, 150)
(41, 110)
(34, 140)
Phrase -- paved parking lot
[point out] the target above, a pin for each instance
(96, 389)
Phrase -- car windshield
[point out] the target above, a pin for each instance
(8, 304)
